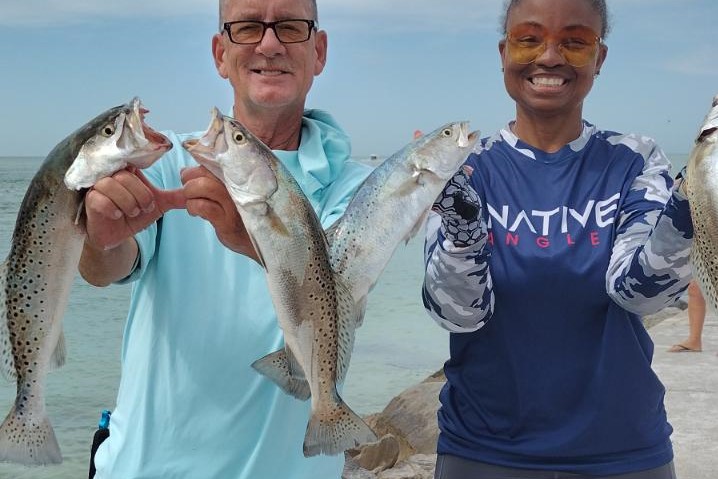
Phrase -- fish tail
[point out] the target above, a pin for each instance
(335, 430)
(28, 438)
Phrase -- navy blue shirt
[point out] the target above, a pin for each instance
(550, 364)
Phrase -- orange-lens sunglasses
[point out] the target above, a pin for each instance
(578, 45)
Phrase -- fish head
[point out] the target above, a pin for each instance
(240, 160)
(709, 128)
(702, 164)
(116, 139)
(445, 149)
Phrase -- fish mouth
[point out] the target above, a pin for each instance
(202, 153)
(466, 138)
(206, 149)
(158, 141)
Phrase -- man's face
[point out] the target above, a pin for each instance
(269, 74)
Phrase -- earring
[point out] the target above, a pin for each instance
(596, 74)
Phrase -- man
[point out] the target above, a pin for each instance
(189, 403)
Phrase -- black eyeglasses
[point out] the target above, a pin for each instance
(246, 32)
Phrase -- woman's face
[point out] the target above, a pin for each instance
(553, 80)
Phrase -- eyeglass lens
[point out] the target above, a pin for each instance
(527, 41)
(287, 31)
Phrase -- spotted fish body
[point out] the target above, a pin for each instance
(391, 204)
(702, 191)
(36, 278)
(313, 310)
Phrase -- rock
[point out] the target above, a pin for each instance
(408, 430)
(437, 376)
(352, 470)
(411, 418)
(377, 456)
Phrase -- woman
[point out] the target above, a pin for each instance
(548, 246)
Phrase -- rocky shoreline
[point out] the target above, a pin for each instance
(408, 431)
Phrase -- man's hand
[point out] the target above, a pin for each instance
(116, 208)
(121, 205)
(208, 198)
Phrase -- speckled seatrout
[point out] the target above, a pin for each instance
(391, 205)
(702, 191)
(314, 311)
(36, 278)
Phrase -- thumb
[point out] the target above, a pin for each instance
(165, 199)
(170, 199)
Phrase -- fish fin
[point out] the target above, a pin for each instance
(349, 318)
(417, 227)
(7, 360)
(260, 256)
(284, 370)
(335, 430)
(277, 223)
(28, 439)
(360, 310)
(59, 354)
(410, 185)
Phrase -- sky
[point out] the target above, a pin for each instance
(393, 67)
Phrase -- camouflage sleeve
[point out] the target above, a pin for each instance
(457, 290)
(649, 267)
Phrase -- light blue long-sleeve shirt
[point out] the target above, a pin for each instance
(189, 404)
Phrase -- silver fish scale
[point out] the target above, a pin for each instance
(702, 191)
(31, 320)
(325, 304)
(45, 250)
(8, 365)
(704, 255)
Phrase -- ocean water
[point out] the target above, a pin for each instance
(397, 346)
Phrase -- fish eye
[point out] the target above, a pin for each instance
(238, 137)
(108, 130)
(446, 132)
